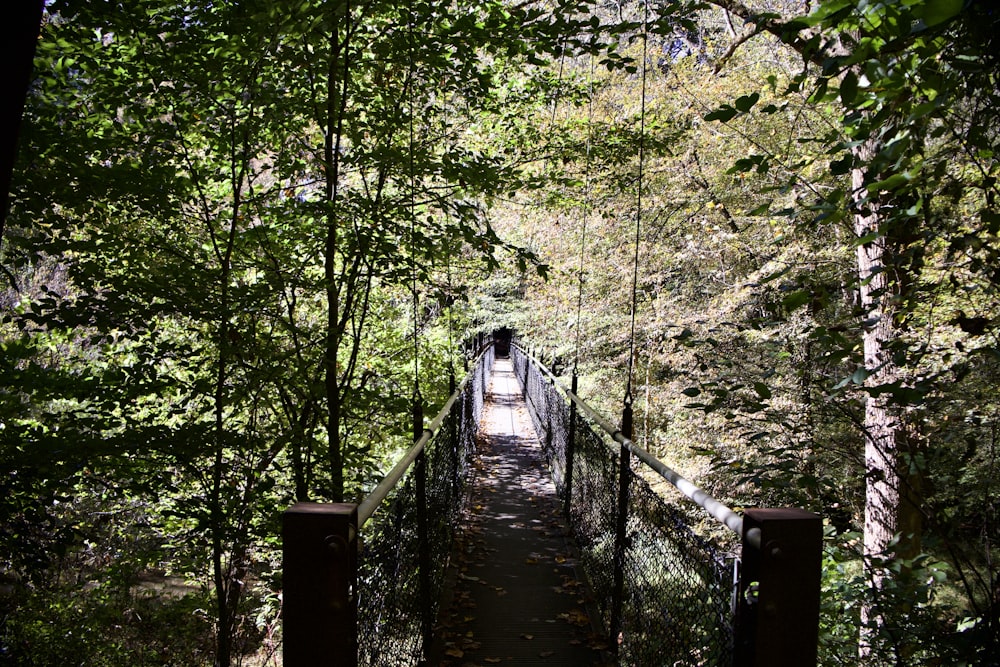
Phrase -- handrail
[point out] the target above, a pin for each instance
(371, 502)
(716, 509)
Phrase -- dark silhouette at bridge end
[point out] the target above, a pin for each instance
(501, 342)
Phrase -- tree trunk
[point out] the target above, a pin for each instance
(893, 493)
(881, 425)
(336, 96)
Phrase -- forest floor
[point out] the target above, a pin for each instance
(515, 597)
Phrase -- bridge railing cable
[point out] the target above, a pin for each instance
(686, 600)
(354, 593)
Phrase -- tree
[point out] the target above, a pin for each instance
(217, 202)
(896, 72)
(889, 152)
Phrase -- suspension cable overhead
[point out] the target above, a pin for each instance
(411, 79)
(638, 208)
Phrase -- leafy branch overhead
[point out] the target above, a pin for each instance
(243, 236)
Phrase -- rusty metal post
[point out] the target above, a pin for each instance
(621, 532)
(320, 571)
(777, 616)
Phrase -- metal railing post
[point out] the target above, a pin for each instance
(549, 426)
(423, 537)
(320, 563)
(453, 443)
(621, 533)
(570, 452)
(777, 615)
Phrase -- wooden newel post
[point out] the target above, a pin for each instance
(777, 616)
(319, 606)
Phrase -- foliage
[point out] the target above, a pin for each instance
(242, 233)
(186, 277)
(754, 370)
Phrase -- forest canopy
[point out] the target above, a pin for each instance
(244, 236)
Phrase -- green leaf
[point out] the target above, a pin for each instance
(692, 392)
(849, 88)
(891, 183)
(795, 300)
(938, 11)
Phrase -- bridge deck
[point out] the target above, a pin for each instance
(515, 597)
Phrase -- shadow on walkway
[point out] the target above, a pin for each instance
(515, 597)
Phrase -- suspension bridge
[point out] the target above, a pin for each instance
(524, 528)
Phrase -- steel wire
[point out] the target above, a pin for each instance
(678, 598)
(390, 611)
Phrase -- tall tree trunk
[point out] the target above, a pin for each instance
(221, 576)
(881, 425)
(892, 493)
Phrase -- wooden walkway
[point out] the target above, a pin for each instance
(514, 597)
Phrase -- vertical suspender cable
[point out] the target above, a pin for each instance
(575, 378)
(587, 207)
(617, 626)
(638, 208)
(420, 470)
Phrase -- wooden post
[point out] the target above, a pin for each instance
(777, 619)
(320, 572)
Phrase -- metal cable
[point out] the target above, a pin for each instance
(587, 204)
(638, 212)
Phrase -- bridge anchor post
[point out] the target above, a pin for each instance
(777, 615)
(319, 607)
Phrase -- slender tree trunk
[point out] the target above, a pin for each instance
(336, 94)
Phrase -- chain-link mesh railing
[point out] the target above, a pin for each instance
(400, 565)
(549, 415)
(676, 602)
